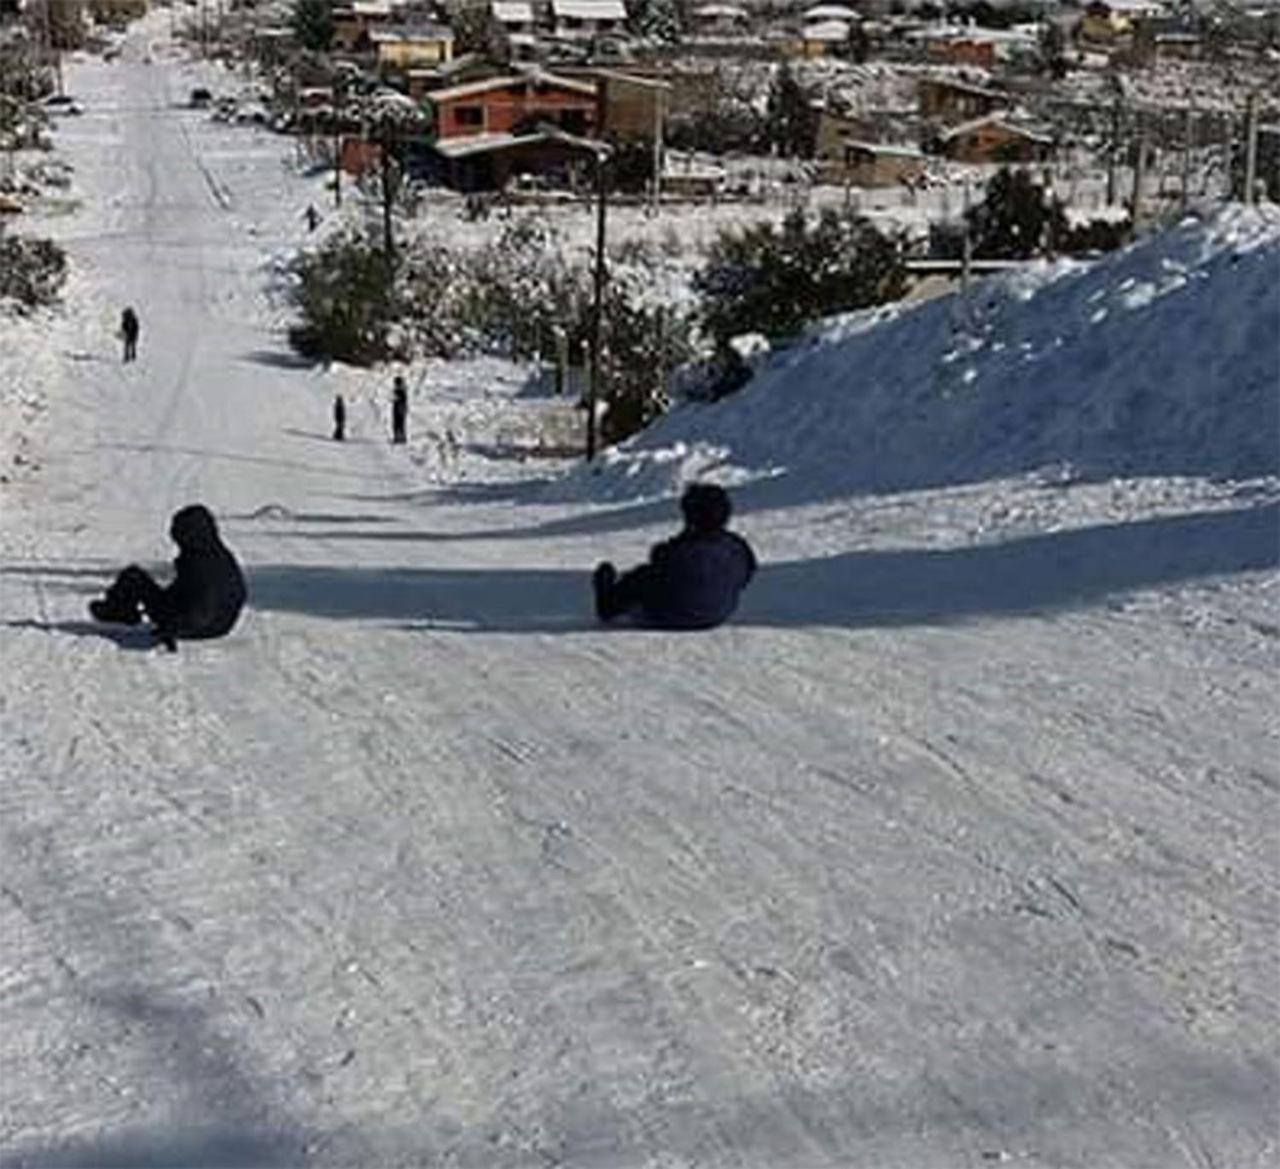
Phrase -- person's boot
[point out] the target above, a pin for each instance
(109, 609)
(602, 582)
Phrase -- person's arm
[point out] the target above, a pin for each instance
(660, 551)
(192, 596)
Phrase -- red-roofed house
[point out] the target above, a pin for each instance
(503, 105)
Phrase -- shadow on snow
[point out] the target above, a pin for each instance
(856, 589)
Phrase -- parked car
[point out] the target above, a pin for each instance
(62, 103)
(200, 98)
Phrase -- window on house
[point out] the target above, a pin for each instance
(469, 116)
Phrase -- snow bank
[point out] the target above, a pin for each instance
(1158, 360)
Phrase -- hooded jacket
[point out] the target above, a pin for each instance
(697, 578)
(208, 592)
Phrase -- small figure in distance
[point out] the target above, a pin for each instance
(312, 217)
(203, 600)
(129, 332)
(339, 418)
(399, 409)
(691, 581)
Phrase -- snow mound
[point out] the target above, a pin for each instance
(1158, 360)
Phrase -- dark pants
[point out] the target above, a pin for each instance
(626, 594)
(398, 419)
(130, 348)
(136, 588)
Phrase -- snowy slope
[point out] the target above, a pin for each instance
(956, 849)
(1161, 360)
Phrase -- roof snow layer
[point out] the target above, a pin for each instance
(1160, 360)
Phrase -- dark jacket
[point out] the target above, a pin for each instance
(129, 324)
(697, 578)
(208, 592)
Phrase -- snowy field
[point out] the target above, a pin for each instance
(956, 848)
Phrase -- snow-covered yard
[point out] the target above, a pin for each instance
(955, 848)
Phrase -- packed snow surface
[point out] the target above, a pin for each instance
(955, 848)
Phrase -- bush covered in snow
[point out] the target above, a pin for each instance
(32, 271)
(524, 295)
(347, 299)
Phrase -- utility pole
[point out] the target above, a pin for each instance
(597, 307)
(1251, 148)
(659, 111)
(389, 185)
(52, 51)
(1112, 151)
(1188, 125)
(1139, 166)
(339, 92)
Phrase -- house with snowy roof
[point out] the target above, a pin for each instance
(353, 22)
(1108, 20)
(821, 38)
(878, 164)
(412, 47)
(515, 16)
(719, 19)
(584, 19)
(820, 13)
(996, 138)
(949, 99)
(511, 103)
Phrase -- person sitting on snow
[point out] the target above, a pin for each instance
(691, 581)
(203, 600)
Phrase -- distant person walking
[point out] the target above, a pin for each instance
(399, 409)
(129, 332)
(312, 217)
(339, 418)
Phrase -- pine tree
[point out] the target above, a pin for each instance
(777, 279)
(662, 20)
(313, 24)
(1016, 220)
(792, 122)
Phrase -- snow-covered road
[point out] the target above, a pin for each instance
(419, 867)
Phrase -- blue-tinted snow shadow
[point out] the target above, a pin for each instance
(1057, 571)
(280, 359)
(856, 589)
(176, 1051)
(959, 1104)
(132, 637)
(588, 523)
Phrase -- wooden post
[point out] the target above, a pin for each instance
(339, 94)
(1139, 167)
(1114, 146)
(1188, 126)
(1251, 148)
(597, 310)
(659, 101)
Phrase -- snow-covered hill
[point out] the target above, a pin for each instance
(1163, 360)
(954, 849)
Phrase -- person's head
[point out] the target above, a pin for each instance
(400, 382)
(193, 527)
(705, 507)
